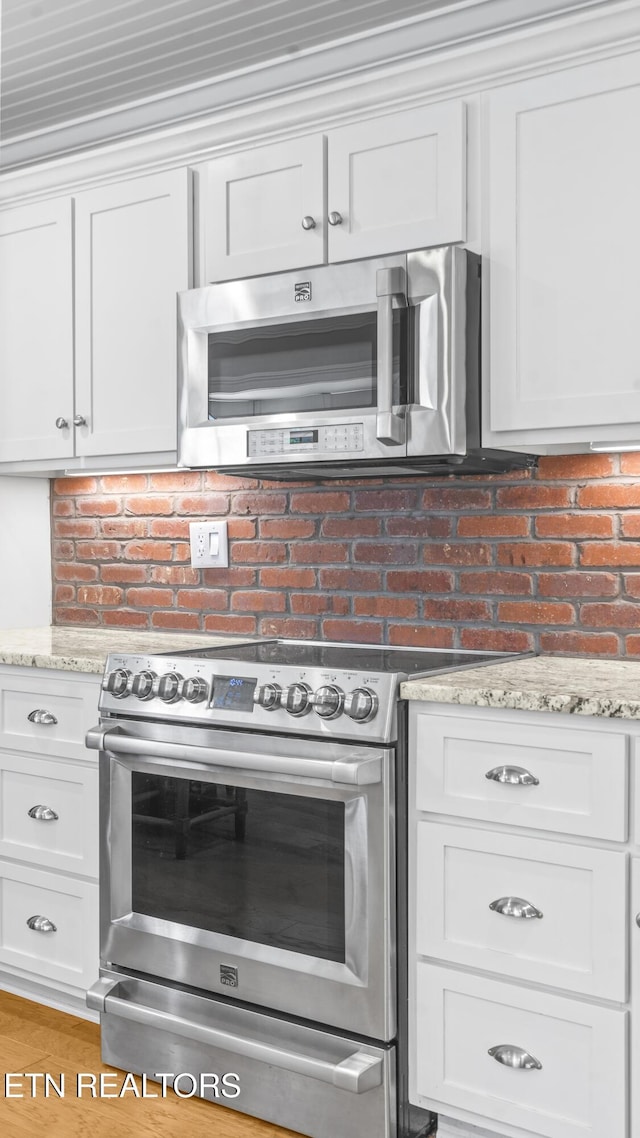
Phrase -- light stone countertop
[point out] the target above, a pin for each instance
(86, 649)
(575, 686)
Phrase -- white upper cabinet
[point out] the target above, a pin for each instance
(253, 206)
(132, 256)
(564, 168)
(397, 182)
(380, 186)
(36, 331)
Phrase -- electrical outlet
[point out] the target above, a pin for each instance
(209, 544)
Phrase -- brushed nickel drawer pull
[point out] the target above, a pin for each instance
(511, 1056)
(513, 776)
(43, 814)
(515, 907)
(45, 718)
(638, 920)
(41, 925)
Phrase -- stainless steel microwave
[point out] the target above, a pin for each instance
(362, 368)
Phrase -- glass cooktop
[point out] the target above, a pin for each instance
(411, 661)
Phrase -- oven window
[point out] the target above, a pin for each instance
(261, 866)
(325, 364)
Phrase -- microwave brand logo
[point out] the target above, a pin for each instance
(302, 290)
(229, 975)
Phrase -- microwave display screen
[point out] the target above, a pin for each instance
(327, 363)
(299, 438)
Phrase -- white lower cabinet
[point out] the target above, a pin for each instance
(534, 910)
(520, 939)
(48, 925)
(49, 939)
(635, 988)
(572, 1055)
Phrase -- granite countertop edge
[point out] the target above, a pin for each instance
(84, 650)
(513, 699)
(570, 685)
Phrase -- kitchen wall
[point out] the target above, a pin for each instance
(547, 560)
(25, 572)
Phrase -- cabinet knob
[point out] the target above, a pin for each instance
(41, 925)
(44, 718)
(79, 421)
(61, 423)
(43, 814)
(335, 218)
(308, 222)
(517, 1057)
(513, 776)
(515, 907)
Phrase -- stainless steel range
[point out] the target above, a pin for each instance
(253, 878)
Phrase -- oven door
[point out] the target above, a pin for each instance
(255, 867)
(308, 365)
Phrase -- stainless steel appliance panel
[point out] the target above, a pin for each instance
(312, 1081)
(356, 993)
(423, 391)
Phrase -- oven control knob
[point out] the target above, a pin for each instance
(142, 684)
(118, 683)
(297, 699)
(170, 687)
(268, 696)
(361, 704)
(328, 701)
(195, 689)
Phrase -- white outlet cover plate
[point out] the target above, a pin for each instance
(209, 545)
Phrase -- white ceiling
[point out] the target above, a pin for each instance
(64, 60)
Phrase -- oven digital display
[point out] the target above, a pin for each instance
(299, 438)
(233, 693)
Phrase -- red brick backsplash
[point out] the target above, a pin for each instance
(547, 560)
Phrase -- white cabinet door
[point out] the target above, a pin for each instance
(635, 1002)
(252, 206)
(63, 949)
(574, 1088)
(563, 253)
(36, 331)
(398, 182)
(132, 258)
(469, 891)
(47, 715)
(567, 779)
(49, 813)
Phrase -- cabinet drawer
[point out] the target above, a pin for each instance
(580, 775)
(72, 704)
(70, 952)
(579, 941)
(579, 1089)
(68, 840)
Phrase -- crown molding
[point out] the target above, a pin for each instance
(453, 52)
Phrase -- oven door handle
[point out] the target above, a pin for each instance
(354, 771)
(358, 1073)
(390, 427)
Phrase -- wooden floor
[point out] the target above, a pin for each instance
(34, 1038)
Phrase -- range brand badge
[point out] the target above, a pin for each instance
(302, 290)
(229, 975)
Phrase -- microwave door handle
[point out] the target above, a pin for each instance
(390, 428)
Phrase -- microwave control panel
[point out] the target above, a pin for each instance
(304, 440)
